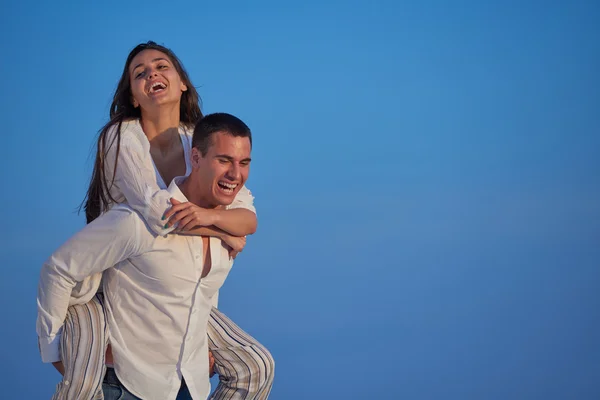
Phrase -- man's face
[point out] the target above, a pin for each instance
(222, 172)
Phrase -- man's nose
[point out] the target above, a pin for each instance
(234, 171)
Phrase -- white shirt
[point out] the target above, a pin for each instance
(138, 183)
(157, 307)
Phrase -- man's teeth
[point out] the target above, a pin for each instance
(227, 185)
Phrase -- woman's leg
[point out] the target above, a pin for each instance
(245, 367)
(82, 351)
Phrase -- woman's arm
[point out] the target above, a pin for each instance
(191, 218)
(135, 177)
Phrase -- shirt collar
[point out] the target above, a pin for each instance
(175, 191)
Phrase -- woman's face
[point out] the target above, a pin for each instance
(154, 80)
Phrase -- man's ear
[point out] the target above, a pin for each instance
(196, 157)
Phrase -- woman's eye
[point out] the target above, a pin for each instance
(139, 74)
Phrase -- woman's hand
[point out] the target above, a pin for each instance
(235, 244)
(188, 215)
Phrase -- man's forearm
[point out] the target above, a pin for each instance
(54, 291)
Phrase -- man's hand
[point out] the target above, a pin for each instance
(234, 244)
(188, 215)
(211, 364)
(59, 367)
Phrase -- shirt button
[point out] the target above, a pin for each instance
(67, 383)
(197, 256)
(194, 310)
(190, 337)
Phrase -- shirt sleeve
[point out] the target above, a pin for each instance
(136, 178)
(215, 300)
(108, 240)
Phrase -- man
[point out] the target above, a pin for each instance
(159, 293)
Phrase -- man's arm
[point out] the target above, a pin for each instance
(111, 238)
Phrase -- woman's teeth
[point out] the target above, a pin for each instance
(157, 87)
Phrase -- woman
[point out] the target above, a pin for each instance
(140, 150)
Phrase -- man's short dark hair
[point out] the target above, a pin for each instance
(218, 122)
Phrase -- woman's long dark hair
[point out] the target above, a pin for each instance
(98, 194)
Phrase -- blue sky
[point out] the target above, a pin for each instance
(427, 179)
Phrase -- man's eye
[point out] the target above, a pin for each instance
(222, 161)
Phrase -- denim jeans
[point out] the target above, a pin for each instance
(113, 389)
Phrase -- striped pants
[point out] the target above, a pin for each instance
(245, 368)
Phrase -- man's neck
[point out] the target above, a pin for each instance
(194, 195)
